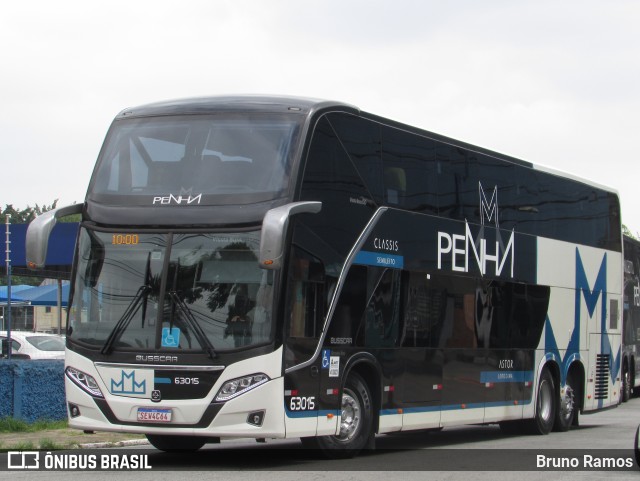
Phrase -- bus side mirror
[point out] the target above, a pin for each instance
(39, 231)
(274, 231)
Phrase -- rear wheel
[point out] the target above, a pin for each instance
(636, 446)
(567, 409)
(356, 422)
(176, 444)
(626, 383)
(545, 404)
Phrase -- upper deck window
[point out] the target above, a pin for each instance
(195, 160)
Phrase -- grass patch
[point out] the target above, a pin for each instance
(23, 446)
(50, 445)
(12, 425)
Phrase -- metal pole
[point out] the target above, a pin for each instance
(8, 260)
(59, 306)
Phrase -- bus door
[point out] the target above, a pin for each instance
(423, 321)
(305, 399)
(464, 341)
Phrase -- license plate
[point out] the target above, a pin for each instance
(154, 415)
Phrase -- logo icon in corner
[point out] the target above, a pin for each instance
(156, 396)
(23, 460)
(128, 384)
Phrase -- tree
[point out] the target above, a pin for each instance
(25, 215)
(626, 231)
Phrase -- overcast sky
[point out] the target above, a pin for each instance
(552, 82)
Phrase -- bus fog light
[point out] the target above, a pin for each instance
(256, 418)
(74, 410)
(236, 387)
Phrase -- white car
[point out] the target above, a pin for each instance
(35, 345)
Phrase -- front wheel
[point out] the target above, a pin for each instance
(356, 422)
(176, 444)
(545, 414)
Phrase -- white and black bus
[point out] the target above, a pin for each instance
(631, 319)
(281, 268)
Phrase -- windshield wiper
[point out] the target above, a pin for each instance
(193, 323)
(140, 298)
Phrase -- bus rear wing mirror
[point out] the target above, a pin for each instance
(274, 231)
(38, 233)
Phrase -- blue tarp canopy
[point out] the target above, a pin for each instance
(37, 296)
(14, 291)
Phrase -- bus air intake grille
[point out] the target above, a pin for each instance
(602, 376)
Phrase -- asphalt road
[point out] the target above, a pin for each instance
(471, 452)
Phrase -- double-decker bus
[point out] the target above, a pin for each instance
(631, 319)
(290, 268)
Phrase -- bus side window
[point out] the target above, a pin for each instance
(306, 304)
(350, 307)
(395, 181)
(424, 313)
(382, 315)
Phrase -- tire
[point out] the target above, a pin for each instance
(545, 414)
(636, 447)
(567, 406)
(356, 422)
(626, 383)
(176, 444)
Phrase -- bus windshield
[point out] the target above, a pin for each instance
(194, 292)
(195, 159)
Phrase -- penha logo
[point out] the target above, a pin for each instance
(128, 384)
(458, 249)
(185, 197)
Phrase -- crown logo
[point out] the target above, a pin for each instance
(128, 384)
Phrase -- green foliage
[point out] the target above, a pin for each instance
(13, 425)
(47, 444)
(626, 231)
(25, 215)
(21, 446)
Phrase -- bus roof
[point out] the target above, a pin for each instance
(308, 106)
(252, 103)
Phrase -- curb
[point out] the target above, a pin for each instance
(117, 444)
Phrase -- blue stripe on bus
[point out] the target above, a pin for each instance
(162, 380)
(452, 407)
(379, 259)
(311, 414)
(506, 376)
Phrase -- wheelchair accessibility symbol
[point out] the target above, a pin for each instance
(170, 337)
(326, 354)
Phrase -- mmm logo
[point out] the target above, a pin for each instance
(128, 384)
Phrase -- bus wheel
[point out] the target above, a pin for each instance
(567, 409)
(356, 421)
(626, 383)
(636, 446)
(176, 444)
(545, 404)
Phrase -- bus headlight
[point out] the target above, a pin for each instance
(239, 386)
(84, 381)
